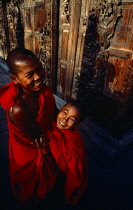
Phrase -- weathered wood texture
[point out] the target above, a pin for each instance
(120, 84)
(106, 79)
(72, 27)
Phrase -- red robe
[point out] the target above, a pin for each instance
(32, 173)
(69, 152)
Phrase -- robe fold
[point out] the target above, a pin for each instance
(69, 152)
(32, 174)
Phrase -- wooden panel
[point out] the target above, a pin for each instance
(117, 77)
(105, 78)
(64, 50)
(63, 78)
(39, 16)
(123, 37)
(35, 20)
(64, 29)
(119, 85)
(15, 28)
(29, 41)
(73, 23)
(80, 44)
(3, 32)
(27, 20)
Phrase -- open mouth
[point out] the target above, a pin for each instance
(62, 124)
(37, 83)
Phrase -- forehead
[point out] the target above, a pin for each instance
(72, 110)
(24, 66)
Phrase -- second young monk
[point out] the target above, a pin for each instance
(30, 108)
(68, 149)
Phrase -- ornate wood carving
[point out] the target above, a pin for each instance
(45, 52)
(87, 82)
(16, 33)
(106, 80)
(101, 25)
(3, 31)
(45, 43)
(108, 13)
(121, 56)
(65, 7)
(48, 43)
(3, 51)
(55, 38)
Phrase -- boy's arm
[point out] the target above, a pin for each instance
(22, 119)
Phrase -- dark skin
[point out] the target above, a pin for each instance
(24, 112)
(23, 115)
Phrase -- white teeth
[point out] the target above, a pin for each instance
(38, 83)
(62, 123)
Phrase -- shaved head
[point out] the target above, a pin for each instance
(79, 106)
(17, 57)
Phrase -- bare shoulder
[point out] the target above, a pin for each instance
(17, 110)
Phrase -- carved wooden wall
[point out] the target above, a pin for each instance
(4, 46)
(106, 80)
(119, 84)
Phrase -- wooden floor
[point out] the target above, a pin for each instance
(110, 167)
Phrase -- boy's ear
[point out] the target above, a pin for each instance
(13, 78)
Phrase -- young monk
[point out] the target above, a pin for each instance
(30, 108)
(68, 150)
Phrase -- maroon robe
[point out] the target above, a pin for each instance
(32, 173)
(69, 152)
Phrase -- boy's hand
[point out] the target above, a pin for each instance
(43, 144)
(45, 148)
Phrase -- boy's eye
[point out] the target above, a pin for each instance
(72, 119)
(29, 75)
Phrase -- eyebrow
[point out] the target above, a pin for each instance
(66, 109)
(71, 116)
(32, 70)
(28, 73)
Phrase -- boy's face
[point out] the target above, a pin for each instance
(68, 117)
(30, 75)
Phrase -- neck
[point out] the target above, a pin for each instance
(27, 93)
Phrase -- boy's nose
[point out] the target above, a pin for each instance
(36, 76)
(65, 119)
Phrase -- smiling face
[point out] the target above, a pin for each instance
(29, 75)
(68, 117)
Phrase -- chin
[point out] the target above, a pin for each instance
(60, 127)
(37, 89)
